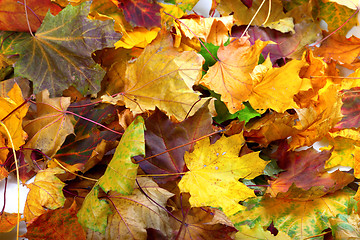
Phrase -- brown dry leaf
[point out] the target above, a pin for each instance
(45, 193)
(230, 76)
(47, 132)
(316, 120)
(135, 213)
(161, 77)
(202, 223)
(272, 126)
(213, 30)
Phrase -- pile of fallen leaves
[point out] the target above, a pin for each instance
(139, 120)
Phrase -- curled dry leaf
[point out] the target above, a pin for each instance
(47, 132)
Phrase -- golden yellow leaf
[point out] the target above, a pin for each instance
(45, 193)
(214, 171)
(258, 232)
(316, 120)
(138, 37)
(47, 132)
(171, 9)
(213, 30)
(243, 14)
(230, 76)
(277, 87)
(13, 121)
(162, 77)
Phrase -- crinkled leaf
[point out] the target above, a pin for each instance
(47, 132)
(214, 171)
(230, 77)
(162, 77)
(49, 59)
(203, 223)
(135, 213)
(45, 193)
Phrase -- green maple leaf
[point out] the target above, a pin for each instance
(59, 55)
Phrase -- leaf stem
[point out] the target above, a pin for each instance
(17, 177)
(66, 169)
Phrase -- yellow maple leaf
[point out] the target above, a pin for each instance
(316, 120)
(214, 171)
(269, 91)
(51, 126)
(230, 76)
(161, 77)
(45, 193)
(213, 30)
(13, 122)
(138, 37)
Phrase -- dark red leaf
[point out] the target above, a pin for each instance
(142, 13)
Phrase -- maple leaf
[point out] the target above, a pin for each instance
(269, 90)
(135, 213)
(210, 30)
(299, 219)
(162, 134)
(143, 13)
(270, 127)
(48, 58)
(230, 76)
(45, 193)
(306, 170)
(316, 120)
(214, 171)
(13, 110)
(14, 19)
(56, 224)
(47, 132)
(202, 223)
(243, 15)
(143, 88)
